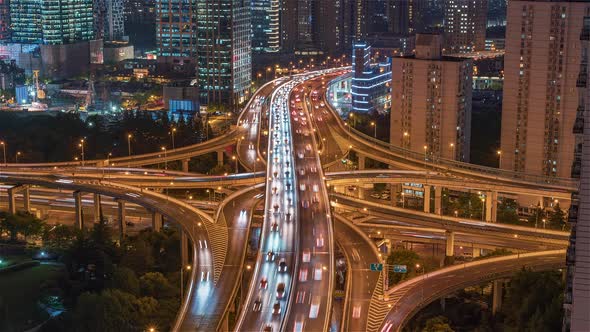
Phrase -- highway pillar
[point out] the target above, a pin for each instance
(185, 165)
(12, 200)
(476, 252)
(79, 221)
(27, 198)
(122, 222)
(491, 206)
(183, 248)
(361, 162)
(438, 200)
(427, 198)
(156, 221)
(450, 244)
(497, 296)
(220, 157)
(96, 208)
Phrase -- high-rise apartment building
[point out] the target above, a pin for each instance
(465, 25)
(541, 69)
(431, 101)
(224, 54)
(404, 16)
(176, 28)
(109, 19)
(4, 20)
(51, 22)
(265, 26)
(577, 292)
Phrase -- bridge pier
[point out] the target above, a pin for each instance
(220, 157)
(185, 165)
(491, 206)
(427, 198)
(497, 296)
(121, 220)
(27, 199)
(12, 198)
(361, 162)
(96, 207)
(157, 221)
(438, 200)
(183, 248)
(450, 244)
(79, 219)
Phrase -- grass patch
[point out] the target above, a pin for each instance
(19, 293)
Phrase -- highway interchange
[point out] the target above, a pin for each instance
(293, 276)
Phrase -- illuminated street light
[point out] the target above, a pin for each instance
(4, 151)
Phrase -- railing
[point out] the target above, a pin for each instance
(452, 165)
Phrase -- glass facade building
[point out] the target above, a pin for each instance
(52, 22)
(176, 28)
(265, 25)
(224, 54)
(370, 86)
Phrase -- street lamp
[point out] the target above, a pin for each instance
(4, 152)
(236, 162)
(544, 222)
(374, 125)
(81, 145)
(452, 146)
(483, 205)
(172, 132)
(425, 153)
(182, 268)
(165, 158)
(499, 153)
(403, 200)
(129, 136)
(17, 155)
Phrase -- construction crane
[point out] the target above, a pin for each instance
(39, 93)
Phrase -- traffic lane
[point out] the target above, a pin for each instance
(429, 286)
(360, 255)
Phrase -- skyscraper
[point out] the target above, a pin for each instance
(541, 68)
(465, 25)
(108, 19)
(4, 20)
(577, 292)
(265, 26)
(431, 101)
(176, 28)
(224, 54)
(404, 16)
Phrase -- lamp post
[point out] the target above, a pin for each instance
(257, 161)
(403, 200)
(129, 136)
(182, 268)
(81, 145)
(483, 206)
(452, 147)
(16, 157)
(374, 125)
(425, 153)
(236, 163)
(165, 158)
(4, 152)
(422, 284)
(172, 132)
(499, 153)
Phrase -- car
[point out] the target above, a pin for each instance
(270, 256)
(305, 204)
(287, 174)
(315, 307)
(274, 227)
(316, 188)
(263, 283)
(267, 328)
(375, 195)
(288, 185)
(280, 290)
(282, 265)
(313, 169)
(300, 155)
(308, 147)
(276, 207)
(315, 198)
(319, 241)
(274, 190)
(317, 272)
(306, 256)
(302, 187)
(257, 305)
(276, 308)
(302, 171)
(303, 274)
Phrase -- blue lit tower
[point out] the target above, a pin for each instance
(370, 82)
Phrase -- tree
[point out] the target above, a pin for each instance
(138, 256)
(557, 217)
(507, 211)
(22, 223)
(402, 257)
(60, 237)
(125, 279)
(155, 284)
(437, 324)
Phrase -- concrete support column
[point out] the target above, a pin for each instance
(476, 252)
(12, 200)
(185, 165)
(491, 206)
(220, 157)
(156, 221)
(427, 198)
(497, 296)
(361, 162)
(96, 208)
(122, 222)
(450, 244)
(27, 198)
(438, 200)
(494, 214)
(79, 221)
(361, 192)
(183, 248)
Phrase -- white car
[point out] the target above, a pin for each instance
(319, 241)
(317, 272)
(302, 187)
(316, 188)
(300, 155)
(306, 256)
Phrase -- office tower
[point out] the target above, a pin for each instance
(52, 22)
(404, 16)
(224, 54)
(108, 20)
(577, 292)
(370, 82)
(265, 26)
(541, 67)
(176, 28)
(465, 25)
(431, 101)
(140, 11)
(4, 20)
